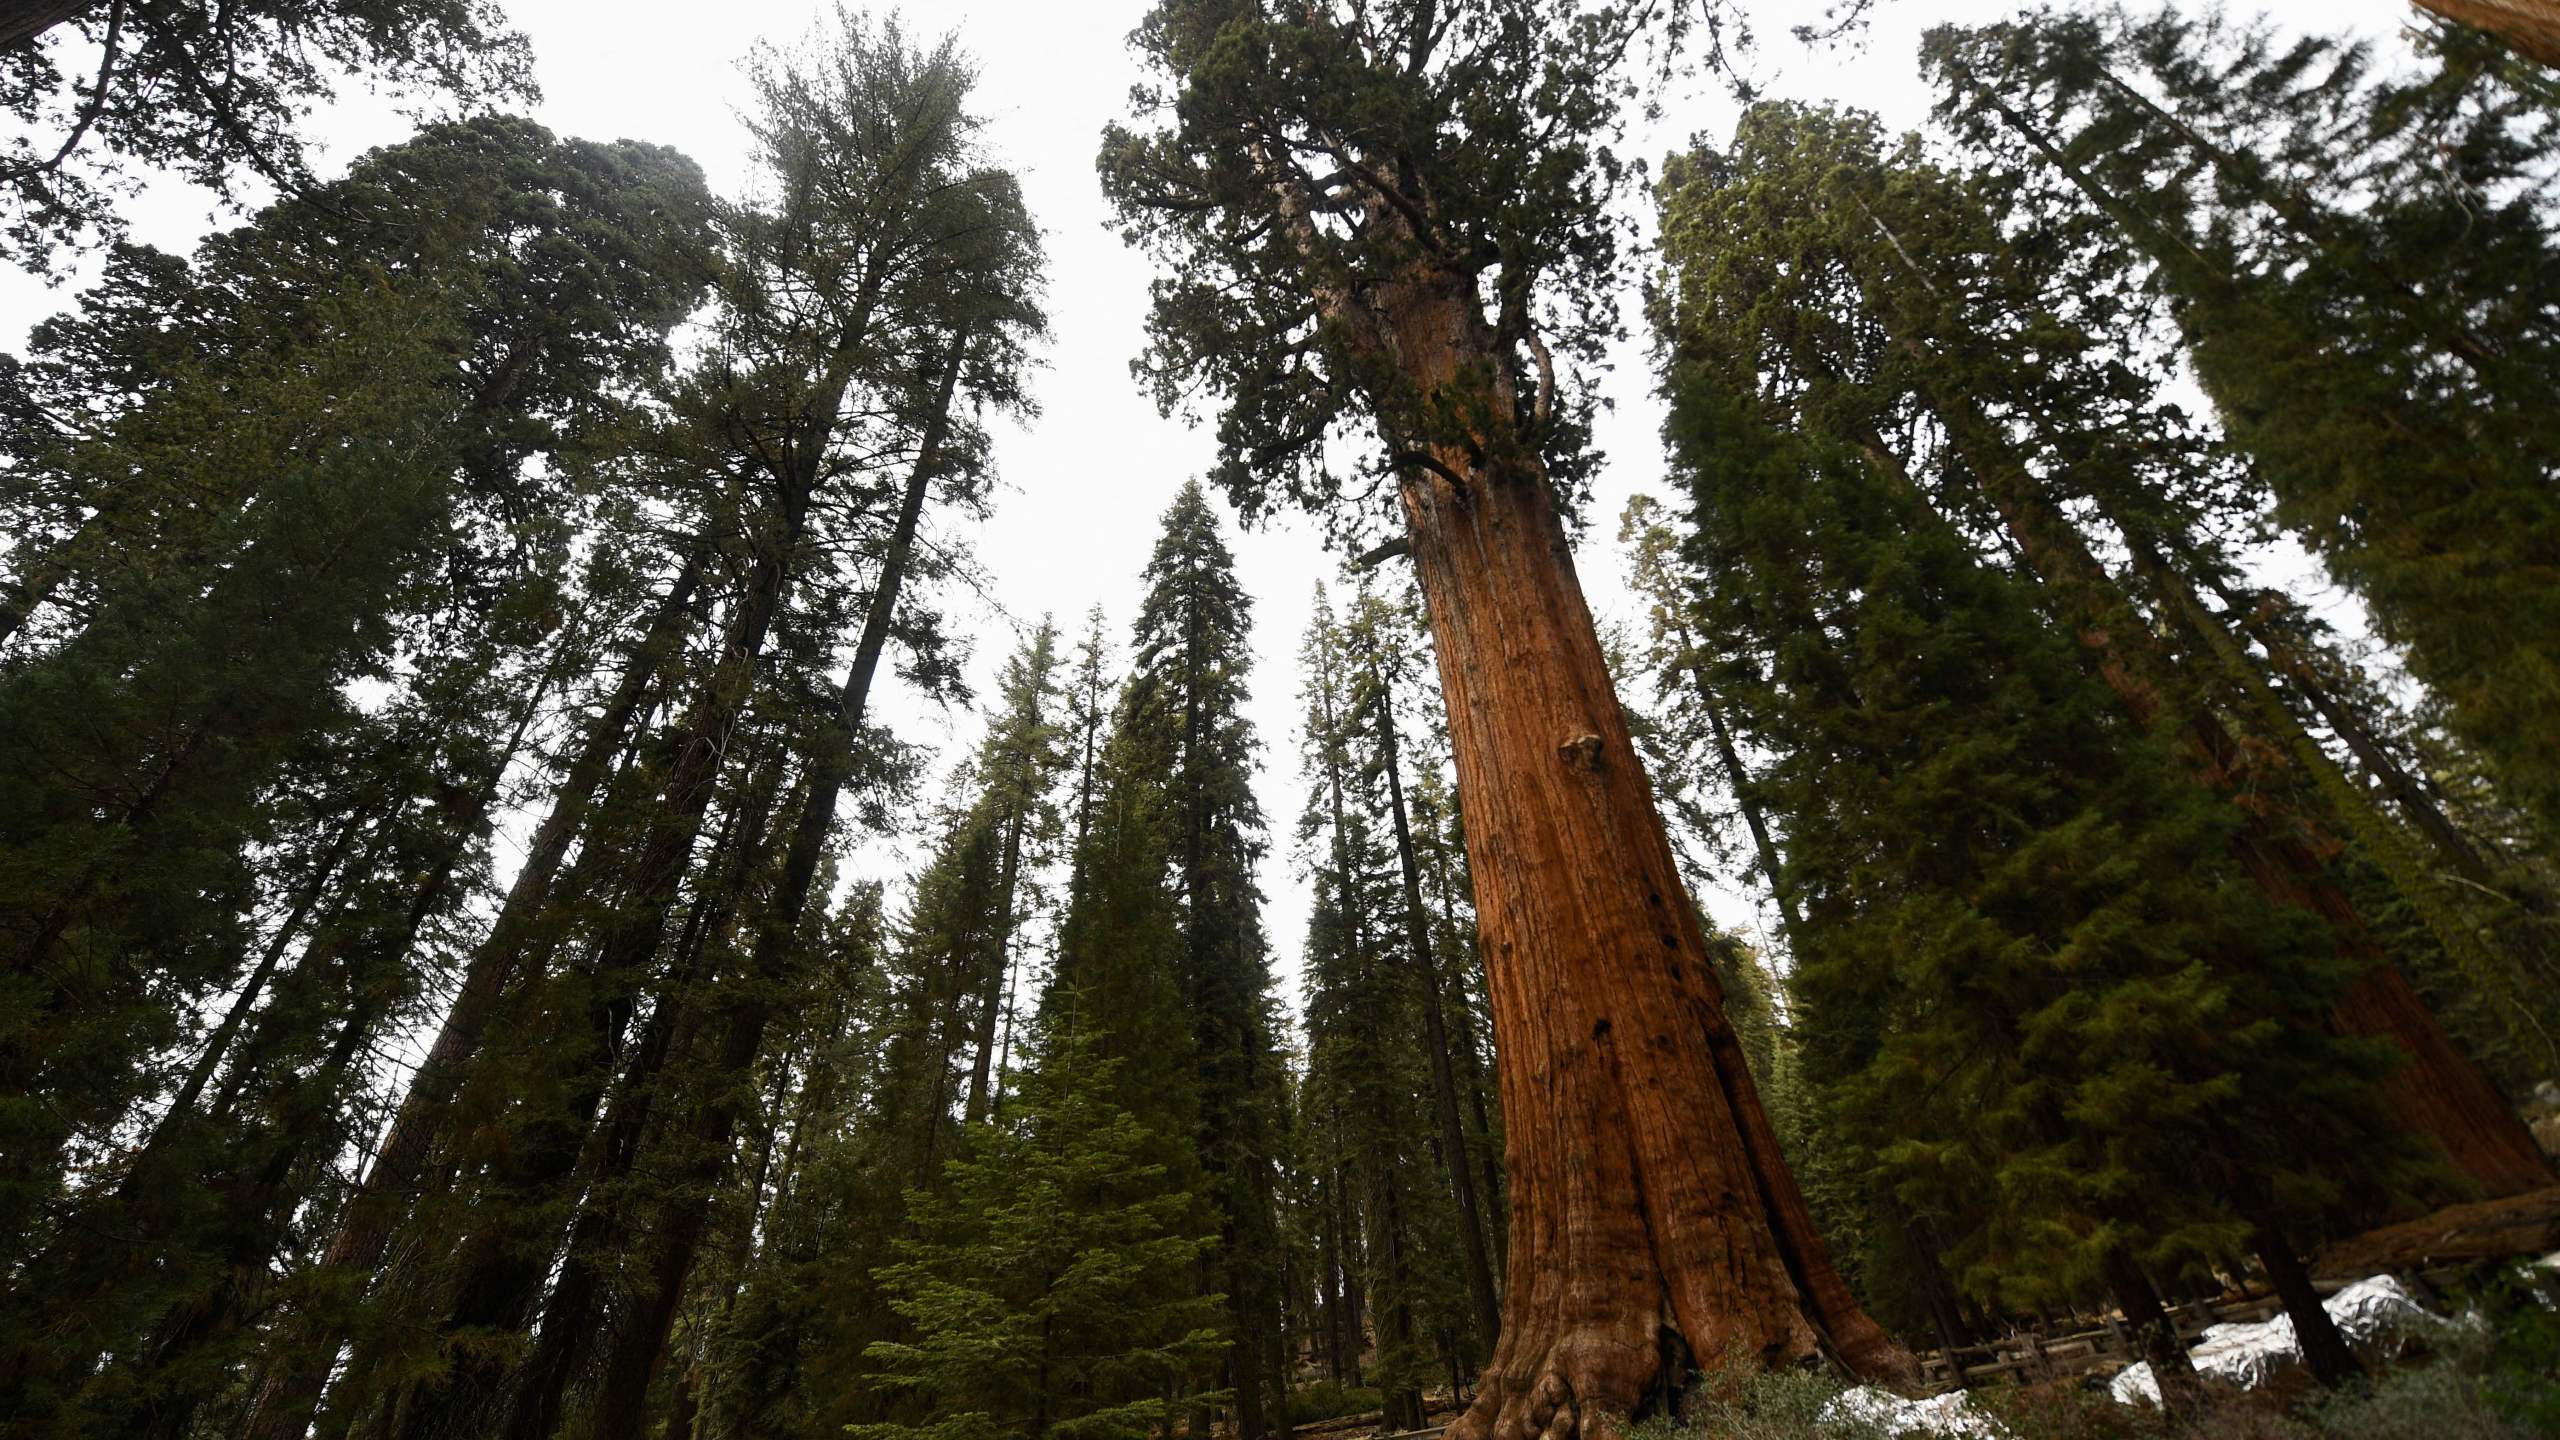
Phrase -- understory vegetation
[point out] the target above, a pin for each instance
(547, 890)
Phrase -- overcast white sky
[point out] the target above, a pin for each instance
(1087, 481)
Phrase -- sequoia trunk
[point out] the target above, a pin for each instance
(2531, 28)
(1655, 1220)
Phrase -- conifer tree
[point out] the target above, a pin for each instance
(1392, 221)
(2357, 266)
(890, 275)
(1017, 771)
(1935, 288)
(783, 1354)
(214, 96)
(475, 297)
(1364, 1029)
(1182, 725)
(1378, 643)
(1047, 1282)
(2185, 1002)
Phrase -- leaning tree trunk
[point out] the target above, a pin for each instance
(1654, 1219)
(603, 1224)
(997, 969)
(634, 1351)
(25, 21)
(1462, 1023)
(310, 1343)
(2436, 1093)
(2155, 1335)
(2530, 28)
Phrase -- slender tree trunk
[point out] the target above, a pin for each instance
(1435, 1033)
(1084, 795)
(1351, 1295)
(1004, 1047)
(1462, 1017)
(45, 571)
(2155, 1335)
(604, 1220)
(1744, 797)
(218, 1044)
(1329, 1285)
(2383, 842)
(2438, 1092)
(499, 1279)
(293, 1383)
(1404, 1403)
(1480, 1137)
(1648, 1189)
(2418, 805)
(2324, 1350)
(636, 1349)
(999, 969)
(264, 1192)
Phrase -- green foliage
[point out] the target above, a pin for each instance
(1367, 1092)
(215, 96)
(1738, 1400)
(2067, 1032)
(2360, 268)
(245, 485)
(1163, 951)
(1300, 162)
(1048, 1285)
(1331, 1400)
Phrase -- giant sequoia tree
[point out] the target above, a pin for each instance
(1389, 220)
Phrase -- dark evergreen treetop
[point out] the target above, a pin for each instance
(209, 92)
(2359, 264)
(1188, 662)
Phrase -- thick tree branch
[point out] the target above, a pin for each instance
(1371, 559)
(1428, 462)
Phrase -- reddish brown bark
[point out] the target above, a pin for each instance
(2531, 28)
(1654, 1219)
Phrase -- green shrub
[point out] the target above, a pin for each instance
(2494, 1377)
(1327, 1400)
(1736, 1400)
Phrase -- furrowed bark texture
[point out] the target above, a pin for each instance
(22, 21)
(1654, 1220)
(2531, 28)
